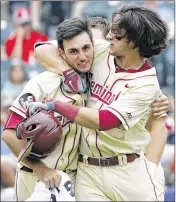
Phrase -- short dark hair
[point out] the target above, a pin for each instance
(101, 23)
(71, 28)
(144, 27)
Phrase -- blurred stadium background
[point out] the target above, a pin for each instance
(45, 16)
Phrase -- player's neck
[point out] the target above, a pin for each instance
(130, 61)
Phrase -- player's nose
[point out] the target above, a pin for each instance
(109, 36)
(82, 56)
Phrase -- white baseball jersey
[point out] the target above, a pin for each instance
(46, 86)
(63, 193)
(128, 96)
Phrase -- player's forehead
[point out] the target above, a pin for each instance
(78, 41)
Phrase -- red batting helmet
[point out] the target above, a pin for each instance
(43, 131)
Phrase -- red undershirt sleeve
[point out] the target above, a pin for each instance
(108, 120)
(66, 109)
(13, 120)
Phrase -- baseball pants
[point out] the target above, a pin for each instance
(130, 182)
(25, 183)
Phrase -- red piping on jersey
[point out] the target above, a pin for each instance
(96, 143)
(120, 115)
(107, 76)
(68, 96)
(73, 144)
(88, 143)
(154, 187)
(129, 79)
(13, 120)
(62, 147)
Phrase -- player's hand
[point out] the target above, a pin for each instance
(74, 82)
(35, 106)
(160, 106)
(50, 177)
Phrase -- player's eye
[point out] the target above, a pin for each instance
(73, 52)
(86, 48)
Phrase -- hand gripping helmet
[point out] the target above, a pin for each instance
(43, 133)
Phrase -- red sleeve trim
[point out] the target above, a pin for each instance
(108, 120)
(13, 120)
(121, 116)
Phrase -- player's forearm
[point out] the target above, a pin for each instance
(83, 116)
(35, 165)
(48, 56)
(87, 117)
(158, 134)
(16, 145)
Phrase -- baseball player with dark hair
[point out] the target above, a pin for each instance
(99, 26)
(44, 86)
(112, 165)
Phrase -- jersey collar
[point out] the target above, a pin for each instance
(144, 67)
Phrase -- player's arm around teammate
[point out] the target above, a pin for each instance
(94, 120)
(157, 128)
(159, 106)
(48, 56)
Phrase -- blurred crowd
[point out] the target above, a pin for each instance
(23, 23)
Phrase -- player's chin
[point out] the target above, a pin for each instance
(111, 52)
(84, 69)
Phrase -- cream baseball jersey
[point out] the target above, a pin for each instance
(128, 96)
(46, 86)
(125, 94)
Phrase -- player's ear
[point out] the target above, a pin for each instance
(61, 53)
(131, 45)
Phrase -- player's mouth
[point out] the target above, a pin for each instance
(83, 64)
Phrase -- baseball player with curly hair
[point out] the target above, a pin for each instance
(112, 164)
(43, 79)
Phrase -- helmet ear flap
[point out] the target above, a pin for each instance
(25, 151)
